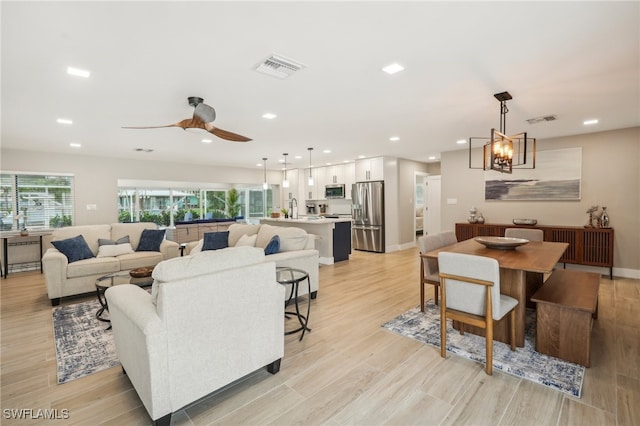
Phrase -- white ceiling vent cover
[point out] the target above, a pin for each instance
(279, 66)
(551, 117)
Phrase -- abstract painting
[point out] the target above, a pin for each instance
(557, 176)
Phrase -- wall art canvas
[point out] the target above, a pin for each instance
(557, 176)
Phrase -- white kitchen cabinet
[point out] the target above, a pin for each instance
(349, 170)
(315, 191)
(370, 169)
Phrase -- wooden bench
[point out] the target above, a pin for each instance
(566, 305)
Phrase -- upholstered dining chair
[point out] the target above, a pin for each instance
(471, 295)
(527, 234)
(429, 267)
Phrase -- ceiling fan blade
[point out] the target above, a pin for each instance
(151, 127)
(225, 134)
(205, 113)
(187, 123)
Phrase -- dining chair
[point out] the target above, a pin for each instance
(527, 234)
(429, 267)
(471, 295)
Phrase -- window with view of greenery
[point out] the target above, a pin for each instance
(166, 206)
(29, 201)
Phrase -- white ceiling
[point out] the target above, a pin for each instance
(577, 60)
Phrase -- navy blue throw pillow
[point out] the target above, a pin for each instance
(273, 247)
(75, 248)
(150, 240)
(215, 240)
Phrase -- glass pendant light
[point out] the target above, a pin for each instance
(310, 182)
(265, 185)
(285, 181)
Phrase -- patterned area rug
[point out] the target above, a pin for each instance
(83, 344)
(524, 362)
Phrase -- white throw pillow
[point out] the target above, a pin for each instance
(197, 248)
(247, 240)
(114, 250)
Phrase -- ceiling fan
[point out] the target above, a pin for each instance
(203, 117)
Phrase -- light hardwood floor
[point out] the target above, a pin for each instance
(348, 370)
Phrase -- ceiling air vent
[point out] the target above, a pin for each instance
(551, 117)
(279, 66)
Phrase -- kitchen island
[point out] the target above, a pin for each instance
(333, 236)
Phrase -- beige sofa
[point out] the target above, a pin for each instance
(212, 318)
(66, 279)
(297, 249)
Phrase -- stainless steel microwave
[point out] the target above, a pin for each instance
(334, 191)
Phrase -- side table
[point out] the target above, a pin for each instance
(122, 277)
(293, 277)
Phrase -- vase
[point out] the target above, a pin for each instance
(480, 219)
(604, 219)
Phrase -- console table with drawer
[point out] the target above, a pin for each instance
(587, 246)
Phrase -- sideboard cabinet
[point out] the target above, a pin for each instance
(587, 246)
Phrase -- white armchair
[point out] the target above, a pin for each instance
(212, 318)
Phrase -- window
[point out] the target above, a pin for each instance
(36, 201)
(166, 206)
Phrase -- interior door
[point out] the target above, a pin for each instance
(431, 218)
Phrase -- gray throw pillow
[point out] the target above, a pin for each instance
(107, 242)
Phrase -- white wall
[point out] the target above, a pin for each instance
(96, 179)
(610, 177)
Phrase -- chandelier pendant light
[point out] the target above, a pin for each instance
(310, 181)
(501, 152)
(285, 181)
(265, 185)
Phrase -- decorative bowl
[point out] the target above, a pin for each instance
(525, 221)
(501, 243)
(143, 272)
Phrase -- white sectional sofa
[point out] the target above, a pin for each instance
(212, 318)
(297, 249)
(64, 278)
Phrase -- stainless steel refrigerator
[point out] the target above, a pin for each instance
(367, 210)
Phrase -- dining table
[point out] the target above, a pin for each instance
(522, 272)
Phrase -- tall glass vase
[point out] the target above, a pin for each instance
(604, 220)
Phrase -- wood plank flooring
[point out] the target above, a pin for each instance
(347, 371)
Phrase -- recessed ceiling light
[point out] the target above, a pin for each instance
(75, 145)
(64, 121)
(461, 141)
(78, 72)
(394, 138)
(346, 161)
(327, 151)
(269, 116)
(393, 68)
(298, 157)
(432, 157)
(281, 160)
(590, 122)
(258, 165)
(362, 156)
(207, 140)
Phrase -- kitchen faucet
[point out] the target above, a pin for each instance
(293, 202)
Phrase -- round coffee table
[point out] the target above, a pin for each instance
(293, 277)
(117, 278)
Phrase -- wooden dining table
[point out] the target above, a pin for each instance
(521, 273)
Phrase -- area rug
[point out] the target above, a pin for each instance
(84, 345)
(525, 362)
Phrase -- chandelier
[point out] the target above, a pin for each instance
(501, 152)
